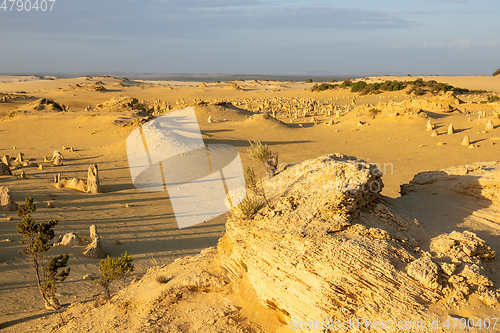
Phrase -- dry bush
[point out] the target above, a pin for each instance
(162, 279)
(259, 152)
(250, 206)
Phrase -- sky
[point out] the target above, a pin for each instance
(457, 37)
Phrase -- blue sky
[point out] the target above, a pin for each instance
(254, 37)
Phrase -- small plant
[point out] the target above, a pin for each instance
(85, 238)
(37, 236)
(497, 72)
(114, 269)
(309, 81)
(374, 112)
(262, 153)
(250, 205)
(11, 114)
(250, 177)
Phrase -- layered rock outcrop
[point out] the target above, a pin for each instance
(324, 248)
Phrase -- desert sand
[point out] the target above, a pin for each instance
(88, 120)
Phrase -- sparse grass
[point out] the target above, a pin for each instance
(261, 153)
(250, 206)
(11, 114)
(162, 279)
(250, 177)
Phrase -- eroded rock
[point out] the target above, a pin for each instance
(4, 169)
(69, 239)
(425, 271)
(464, 246)
(94, 249)
(320, 250)
(90, 185)
(6, 202)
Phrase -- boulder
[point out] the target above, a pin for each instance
(4, 169)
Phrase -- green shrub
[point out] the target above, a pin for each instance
(492, 99)
(346, 83)
(309, 81)
(114, 269)
(497, 72)
(392, 85)
(322, 87)
(358, 86)
(417, 91)
(37, 236)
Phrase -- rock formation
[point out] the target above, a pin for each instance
(58, 161)
(90, 185)
(429, 126)
(322, 250)
(69, 239)
(451, 129)
(6, 202)
(94, 249)
(6, 160)
(57, 154)
(43, 104)
(490, 126)
(4, 169)
(93, 185)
